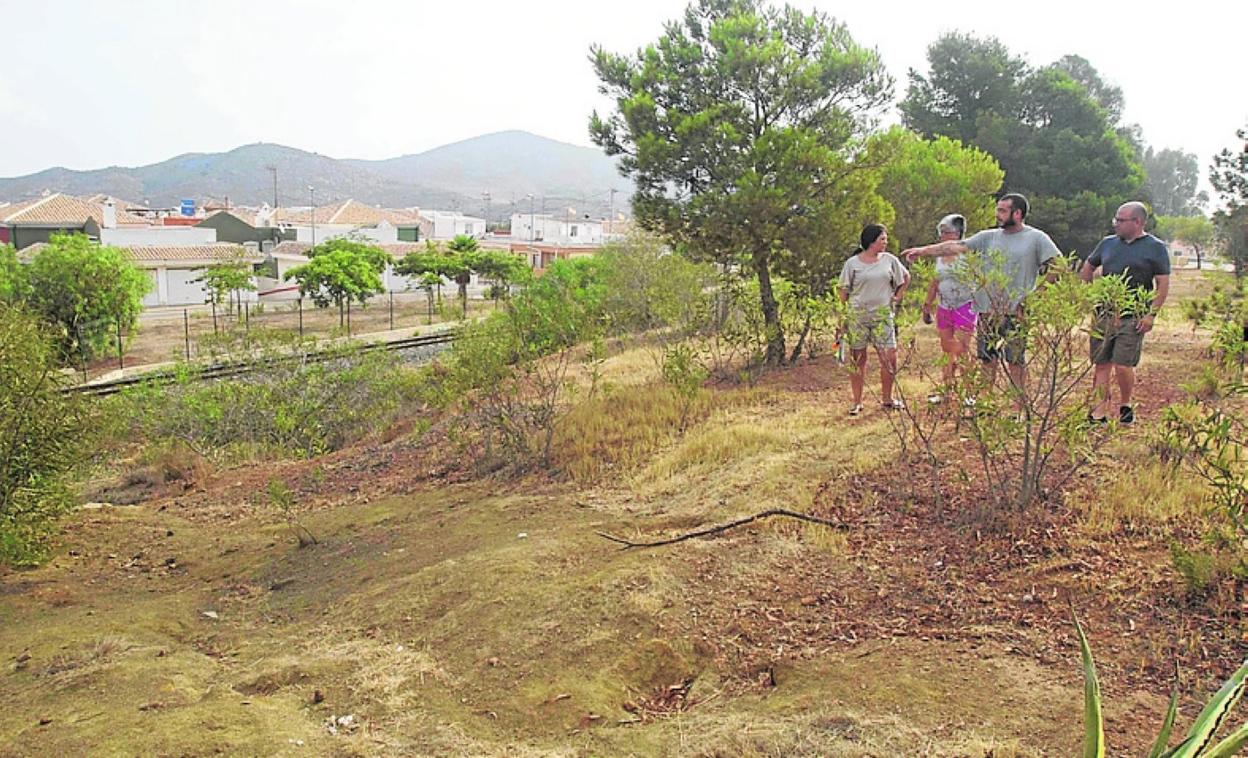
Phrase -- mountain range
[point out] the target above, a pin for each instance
(493, 173)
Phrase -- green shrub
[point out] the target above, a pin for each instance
(87, 291)
(508, 375)
(299, 402)
(45, 435)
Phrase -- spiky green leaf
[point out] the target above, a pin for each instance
(1230, 746)
(1167, 726)
(1211, 717)
(1093, 724)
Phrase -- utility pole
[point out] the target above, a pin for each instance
(312, 200)
(485, 197)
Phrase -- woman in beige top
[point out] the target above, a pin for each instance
(872, 281)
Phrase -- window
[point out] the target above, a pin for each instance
(573, 232)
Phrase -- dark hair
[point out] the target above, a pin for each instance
(954, 222)
(1017, 202)
(870, 233)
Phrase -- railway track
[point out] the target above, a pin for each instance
(240, 368)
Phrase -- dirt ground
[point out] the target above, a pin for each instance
(446, 613)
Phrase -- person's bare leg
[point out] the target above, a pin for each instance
(1100, 389)
(961, 346)
(949, 346)
(1126, 383)
(888, 368)
(859, 359)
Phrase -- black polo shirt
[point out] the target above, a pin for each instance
(1142, 259)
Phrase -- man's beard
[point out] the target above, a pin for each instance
(1009, 223)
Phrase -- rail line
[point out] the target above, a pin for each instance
(239, 368)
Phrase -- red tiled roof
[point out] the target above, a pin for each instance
(206, 253)
(349, 213)
(58, 208)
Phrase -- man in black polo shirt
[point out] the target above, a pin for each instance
(1118, 338)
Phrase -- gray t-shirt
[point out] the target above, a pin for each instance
(954, 291)
(871, 285)
(1142, 259)
(1025, 251)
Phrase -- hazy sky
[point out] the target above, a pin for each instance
(87, 84)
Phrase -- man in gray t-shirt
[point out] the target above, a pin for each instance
(1118, 338)
(1026, 253)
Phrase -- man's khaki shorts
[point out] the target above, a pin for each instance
(1116, 341)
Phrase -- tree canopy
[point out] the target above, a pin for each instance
(1053, 129)
(229, 277)
(1229, 177)
(87, 291)
(376, 257)
(1172, 178)
(926, 179)
(338, 276)
(742, 127)
(1195, 231)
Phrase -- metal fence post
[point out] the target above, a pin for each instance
(82, 351)
(186, 328)
(392, 310)
(121, 358)
(301, 317)
(247, 317)
(214, 315)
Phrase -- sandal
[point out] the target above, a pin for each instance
(856, 409)
(894, 405)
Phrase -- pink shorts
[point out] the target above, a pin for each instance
(962, 318)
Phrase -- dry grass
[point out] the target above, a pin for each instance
(1144, 498)
(773, 453)
(608, 435)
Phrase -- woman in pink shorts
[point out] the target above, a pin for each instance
(955, 314)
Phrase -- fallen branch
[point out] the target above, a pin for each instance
(627, 544)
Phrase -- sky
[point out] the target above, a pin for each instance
(85, 84)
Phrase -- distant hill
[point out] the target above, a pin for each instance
(508, 165)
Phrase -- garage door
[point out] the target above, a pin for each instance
(184, 291)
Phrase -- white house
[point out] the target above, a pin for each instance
(448, 224)
(555, 229)
(174, 269)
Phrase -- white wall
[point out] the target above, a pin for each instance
(303, 233)
(172, 236)
(555, 230)
(383, 232)
(448, 225)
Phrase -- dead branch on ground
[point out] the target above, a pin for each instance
(629, 544)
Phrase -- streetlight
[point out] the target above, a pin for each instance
(312, 200)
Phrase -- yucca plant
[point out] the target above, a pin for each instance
(1199, 740)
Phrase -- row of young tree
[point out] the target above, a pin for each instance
(751, 134)
(344, 270)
